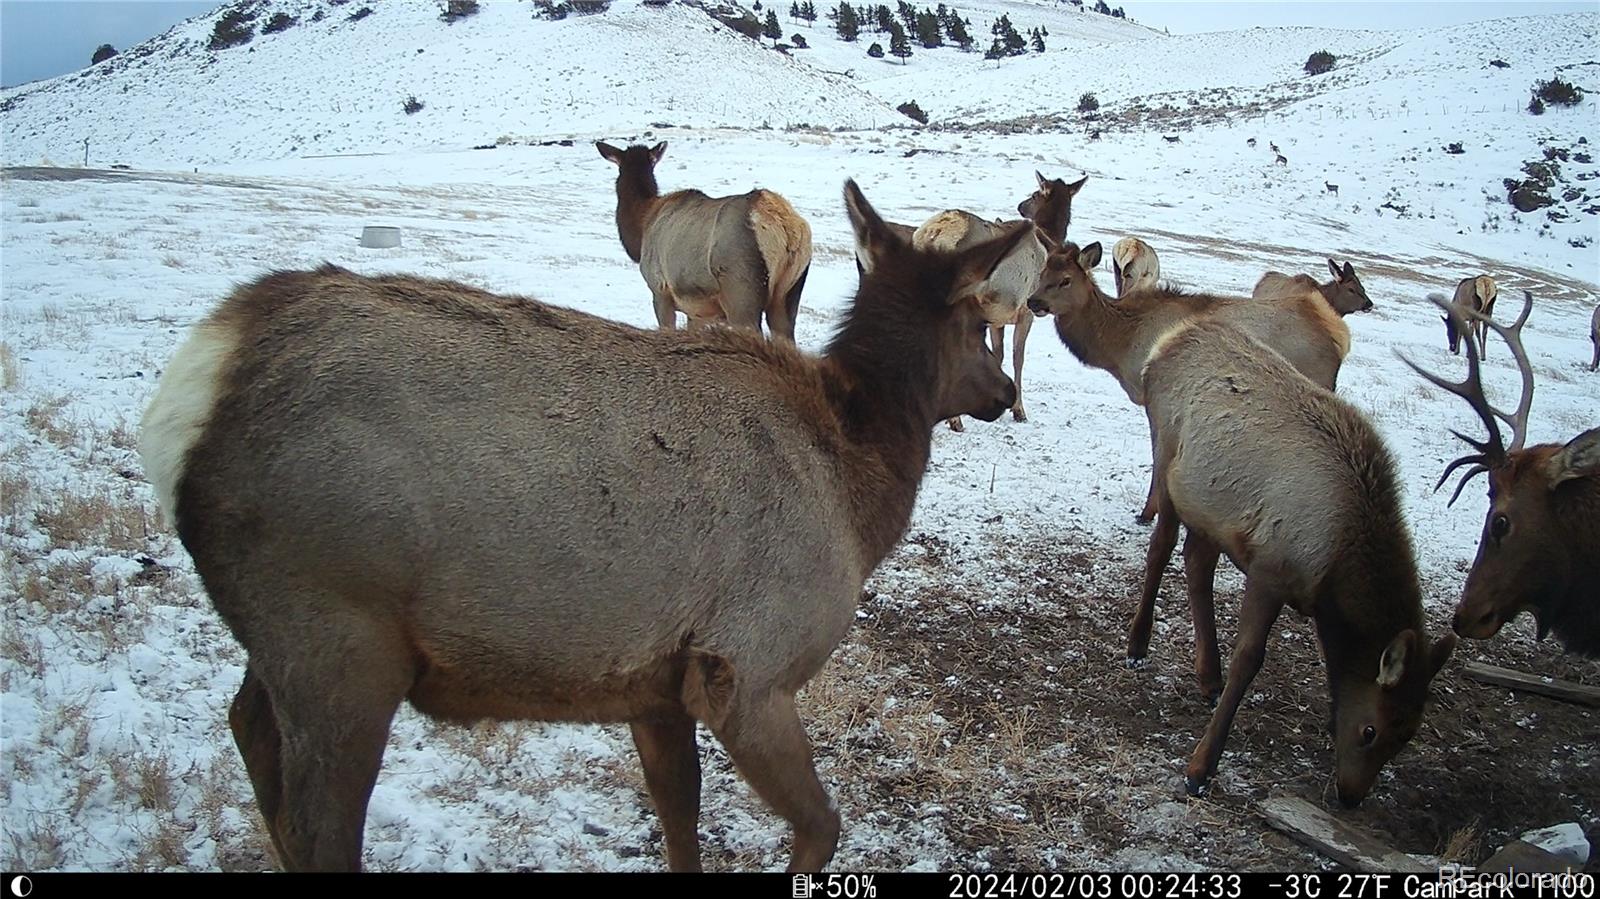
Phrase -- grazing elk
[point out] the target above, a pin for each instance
(1003, 299)
(1251, 143)
(1117, 336)
(1272, 146)
(1293, 484)
(1477, 294)
(396, 488)
(1540, 548)
(1134, 266)
(1594, 338)
(1282, 160)
(1344, 293)
(727, 259)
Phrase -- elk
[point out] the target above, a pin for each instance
(1049, 208)
(1272, 146)
(729, 259)
(1171, 138)
(1540, 546)
(1344, 293)
(1117, 335)
(1134, 266)
(1330, 187)
(1251, 143)
(1477, 294)
(1282, 160)
(1293, 484)
(1594, 338)
(396, 488)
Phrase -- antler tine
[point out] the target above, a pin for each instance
(1512, 334)
(1491, 451)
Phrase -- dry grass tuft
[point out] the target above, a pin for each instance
(154, 781)
(39, 848)
(43, 418)
(10, 374)
(116, 523)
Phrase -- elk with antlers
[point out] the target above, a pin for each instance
(1540, 548)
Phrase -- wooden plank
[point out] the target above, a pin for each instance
(1520, 856)
(1532, 683)
(1345, 844)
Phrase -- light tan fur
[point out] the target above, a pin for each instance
(181, 408)
(785, 241)
(1478, 295)
(1134, 265)
(1344, 293)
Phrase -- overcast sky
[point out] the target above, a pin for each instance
(44, 38)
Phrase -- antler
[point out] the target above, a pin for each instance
(1491, 452)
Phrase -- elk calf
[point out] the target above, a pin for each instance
(729, 259)
(1540, 547)
(1345, 293)
(1294, 485)
(396, 488)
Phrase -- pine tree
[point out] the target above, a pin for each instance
(808, 12)
(794, 12)
(771, 29)
(1012, 43)
(846, 22)
(883, 17)
(1038, 41)
(898, 45)
(103, 53)
(957, 30)
(1101, 8)
(928, 33)
(908, 15)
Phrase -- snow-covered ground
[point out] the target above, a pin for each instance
(115, 676)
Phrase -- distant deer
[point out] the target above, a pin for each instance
(1117, 336)
(1049, 208)
(1134, 266)
(1252, 143)
(1294, 485)
(1594, 338)
(713, 258)
(396, 488)
(1170, 138)
(1477, 294)
(1344, 293)
(1540, 548)
(1330, 188)
(1282, 160)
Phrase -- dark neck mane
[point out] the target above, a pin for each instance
(636, 196)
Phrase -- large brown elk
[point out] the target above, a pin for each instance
(1293, 484)
(729, 259)
(1117, 336)
(1478, 294)
(396, 488)
(1344, 293)
(1540, 547)
(1050, 209)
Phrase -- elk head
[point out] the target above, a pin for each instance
(1066, 286)
(1050, 207)
(1374, 718)
(1526, 556)
(1347, 293)
(968, 377)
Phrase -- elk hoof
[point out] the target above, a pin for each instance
(1145, 517)
(1134, 664)
(1198, 787)
(1018, 414)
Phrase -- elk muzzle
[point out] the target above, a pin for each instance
(1478, 621)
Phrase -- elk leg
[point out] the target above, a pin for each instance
(956, 425)
(1200, 571)
(672, 772)
(768, 745)
(255, 730)
(666, 309)
(334, 692)
(1162, 540)
(1257, 612)
(1595, 365)
(1024, 325)
(1148, 513)
(997, 340)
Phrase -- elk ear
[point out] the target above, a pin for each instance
(1334, 267)
(1043, 184)
(873, 236)
(1089, 256)
(1349, 273)
(1392, 666)
(610, 153)
(658, 151)
(1440, 653)
(979, 262)
(1074, 187)
(1579, 458)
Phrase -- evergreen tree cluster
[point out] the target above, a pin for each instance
(929, 27)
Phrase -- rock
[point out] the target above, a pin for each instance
(1528, 198)
(1564, 840)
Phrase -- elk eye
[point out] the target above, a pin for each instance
(1369, 735)
(1499, 526)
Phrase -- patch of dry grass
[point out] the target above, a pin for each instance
(44, 418)
(100, 519)
(10, 373)
(39, 847)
